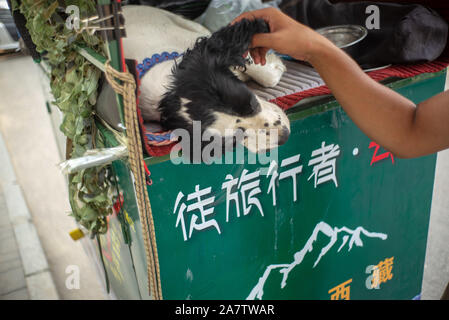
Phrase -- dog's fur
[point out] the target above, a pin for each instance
(205, 83)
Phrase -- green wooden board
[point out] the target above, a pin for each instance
(359, 214)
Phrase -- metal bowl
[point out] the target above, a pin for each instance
(344, 36)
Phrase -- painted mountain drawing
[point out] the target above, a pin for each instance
(348, 237)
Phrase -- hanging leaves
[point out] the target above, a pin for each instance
(74, 85)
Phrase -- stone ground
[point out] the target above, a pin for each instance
(29, 139)
(39, 191)
(12, 276)
(436, 267)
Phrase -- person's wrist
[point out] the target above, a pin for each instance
(306, 44)
(319, 46)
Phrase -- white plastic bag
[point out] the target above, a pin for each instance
(93, 158)
(220, 13)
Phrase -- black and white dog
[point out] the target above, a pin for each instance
(205, 83)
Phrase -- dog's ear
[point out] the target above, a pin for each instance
(225, 47)
(169, 107)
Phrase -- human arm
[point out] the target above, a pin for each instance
(396, 123)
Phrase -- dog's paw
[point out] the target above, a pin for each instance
(268, 75)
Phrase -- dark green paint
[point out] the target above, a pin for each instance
(388, 198)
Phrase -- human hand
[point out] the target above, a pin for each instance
(286, 36)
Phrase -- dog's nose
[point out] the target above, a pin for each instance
(283, 135)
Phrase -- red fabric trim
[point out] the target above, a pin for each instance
(149, 149)
(400, 71)
(153, 151)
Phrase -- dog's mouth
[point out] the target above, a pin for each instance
(266, 140)
(285, 134)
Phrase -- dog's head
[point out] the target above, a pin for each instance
(205, 89)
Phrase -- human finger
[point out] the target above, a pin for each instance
(246, 15)
(256, 14)
(255, 55)
(263, 55)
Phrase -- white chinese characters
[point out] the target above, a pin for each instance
(292, 173)
(324, 164)
(199, 205)
(196, 210)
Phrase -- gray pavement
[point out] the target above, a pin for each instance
(12, 276)
(29, 139)
(25, 273)
(436, 267)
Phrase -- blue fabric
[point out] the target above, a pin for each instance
(158, 137)
(148, 63)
